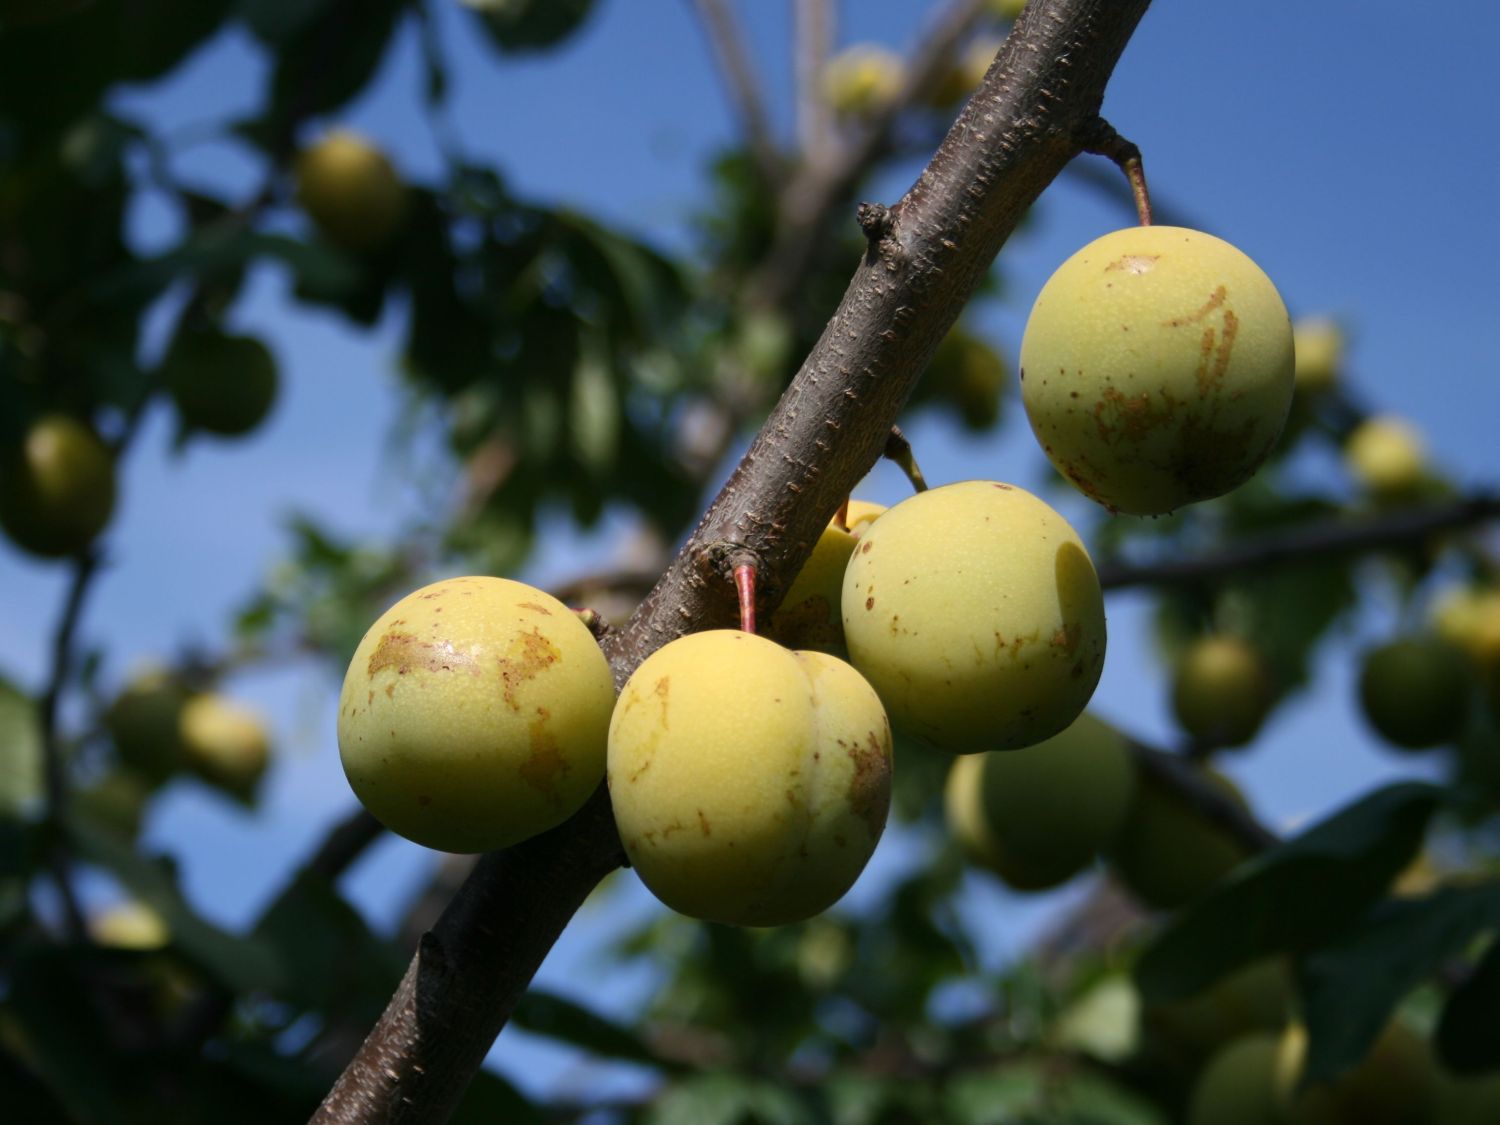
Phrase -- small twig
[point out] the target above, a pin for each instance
(841, 517)
(814, 43)
(85, 566)
(898, 450)
(1307, 543)
(1100, 139)
(739, 78)
(1185, 780)
(744, 588)
(812, 196)
(594, 622)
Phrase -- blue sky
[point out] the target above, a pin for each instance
(1348, 147)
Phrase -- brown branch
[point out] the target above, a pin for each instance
(898, 450)
(740, 81)
(830, 427)
(1307, 543)
(1185, 780)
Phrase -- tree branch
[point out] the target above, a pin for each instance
(814, 43)
(739, 79)
(1296, 545)
(827, 177)
(1012, 139)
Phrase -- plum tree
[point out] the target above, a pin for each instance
(57, 489)
(1039, 815)
(1157, 368)
(750, 783)
(1238, 1086)
(1166, 853)
(809, 615)
(225, 742)
(219, 383)
(474, 714)
(1221, 691)
(351, 191)
(1387, 456)
(1396, 1083)
(1415, 691)
(975, 612)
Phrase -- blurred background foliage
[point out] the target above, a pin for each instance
(570, 365)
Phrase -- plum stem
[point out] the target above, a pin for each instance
(1100, 139)
(841, 517)
(744, 586)
(898, 449)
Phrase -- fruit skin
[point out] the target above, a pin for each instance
(1165, 853)
(222, 384)
(351, 190)
(1415, 692)
(1238, 1085)
(967, 374)
(145, 722)
(974, 611)
(130, 925)
(1039, 815)
(860, 79)
(1386, 455)
(225, 743)
(750, 783)
(809, 616)
(1156, 368)
(57, 490)
(1221, 691)
(474, 713)
(1469, 619)
(1395, 1084)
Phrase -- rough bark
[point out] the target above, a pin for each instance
(926, 255)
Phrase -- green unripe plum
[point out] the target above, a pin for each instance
(1395, 1084)
(225, 743)
(1415, 692)
(974, 610)
(130, 925)
(1256, 998)
(968, 374)
(1221, 691)
(145, 722)
(351, 191)
(474, 714)
(750, 783)
(809, 616)
(222, 384)
(1319, 344)
(1238, 1086)
(1387, 456)
(57, 490)
(964, 74)
(1156, 368)
(860, 79)
(1167, 854)
(1043, 812)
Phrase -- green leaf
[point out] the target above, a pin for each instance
(1351, 985)
(1292, 897)
(489, 1099)
(324, 61)
(276, 21)
(1467, 1036)
(529, 25)
(330, 961)
(20, 753)
(725, 1098)
(1010, 1094)
(557, 1017)
(242, 964)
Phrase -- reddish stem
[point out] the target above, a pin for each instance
(841, 517)
(744, 585)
